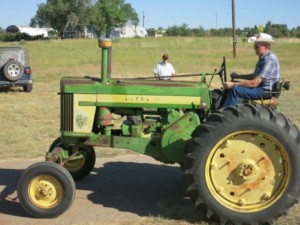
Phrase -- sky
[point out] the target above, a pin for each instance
(195, 13)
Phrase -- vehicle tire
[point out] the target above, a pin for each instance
(13, 70)
(46, 190)
(243, 165)
(78, 168)
(27, 88)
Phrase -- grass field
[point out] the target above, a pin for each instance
(30, 121)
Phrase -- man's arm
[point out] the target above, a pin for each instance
(250, 83)
(246, 83)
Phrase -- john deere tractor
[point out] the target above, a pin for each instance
(241, 165)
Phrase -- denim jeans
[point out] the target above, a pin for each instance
(232, 96)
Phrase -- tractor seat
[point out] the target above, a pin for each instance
(272, 102)
(276, 91)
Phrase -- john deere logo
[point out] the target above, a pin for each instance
(81, 119)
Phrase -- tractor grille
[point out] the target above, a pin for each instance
(66, 116)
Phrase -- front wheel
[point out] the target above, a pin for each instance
(46, 190)
(81, 167)
(243, 165)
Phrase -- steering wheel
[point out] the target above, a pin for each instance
(223, 71)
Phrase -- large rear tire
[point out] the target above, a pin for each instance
(46, 190)
(243, 165)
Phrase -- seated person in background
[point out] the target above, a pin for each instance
(164, 70)
(256, 85)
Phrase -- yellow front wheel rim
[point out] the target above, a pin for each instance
(247, 171)
(75, 165)
(45, 191)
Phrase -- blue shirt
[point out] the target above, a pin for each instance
(268, 69)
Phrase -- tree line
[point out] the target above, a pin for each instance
(102, 16)
(276, 30)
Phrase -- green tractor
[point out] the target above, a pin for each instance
(241, 165)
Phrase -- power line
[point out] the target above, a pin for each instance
(252, 11)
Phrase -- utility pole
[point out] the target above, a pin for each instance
(143, 19)
(233, 29)
(216, 20)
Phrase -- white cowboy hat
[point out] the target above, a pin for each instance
(265, 38)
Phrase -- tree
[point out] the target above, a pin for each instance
(59, 14)
(40, 19)
(108, 14)
(199, 31)
(277, 30)
(131, 14)
(295, 32)
(182, 30)
(79, 14)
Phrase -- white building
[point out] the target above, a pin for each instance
(129, 31)
(32, 31)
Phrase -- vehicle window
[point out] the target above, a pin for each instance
(6, 55)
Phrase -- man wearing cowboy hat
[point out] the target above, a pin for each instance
(259, 84)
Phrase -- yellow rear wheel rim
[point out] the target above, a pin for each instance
(45, 191)
(247, 171)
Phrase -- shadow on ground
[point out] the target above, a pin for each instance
(139, 188)
(9, 205)
(10, 89)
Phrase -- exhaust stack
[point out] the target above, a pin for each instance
(105, 44)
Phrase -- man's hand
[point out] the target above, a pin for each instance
(228, 85)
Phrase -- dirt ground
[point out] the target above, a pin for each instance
(126, 189)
